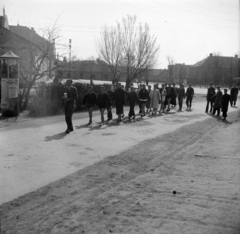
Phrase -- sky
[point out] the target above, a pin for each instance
(186, 30)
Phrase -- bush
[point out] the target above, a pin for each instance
(47, 100)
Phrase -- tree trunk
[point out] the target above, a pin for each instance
(26, 97)
(128, 82)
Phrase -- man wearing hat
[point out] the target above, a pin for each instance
(234, 94)
(210, 94)
(69, 98)
(225, 103)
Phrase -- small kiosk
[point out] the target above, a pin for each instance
(9, 76)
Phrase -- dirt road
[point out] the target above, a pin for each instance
(132, 191)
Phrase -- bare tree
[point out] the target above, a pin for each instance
(171, 62)
(128, 49)
(38, 59)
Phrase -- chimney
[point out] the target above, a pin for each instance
(210, 54)
(236, 56)
(32, 29)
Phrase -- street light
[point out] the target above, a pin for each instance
(70, 46)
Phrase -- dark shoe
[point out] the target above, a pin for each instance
(67, 131)
(133, 117)
(71, 130)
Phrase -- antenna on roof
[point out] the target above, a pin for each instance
(3, 10)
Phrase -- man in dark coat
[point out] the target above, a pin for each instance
(110, 93)
(119, 97)
(181, 96)
(210, 93)
(103, 102)
(217, 101)
(69, 97)
(226, 98)
(90, 100)
(234, 94)
(169, 96)
(132, 99)
(189, 95)
(173, 95)
(143, 96)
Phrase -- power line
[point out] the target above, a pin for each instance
(204, 7)
(164, 13)
(192, 11)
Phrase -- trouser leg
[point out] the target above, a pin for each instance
(190, 101)
(109, 110)
(131, 111)
(207, 106)
(68, 115)
(180, 102)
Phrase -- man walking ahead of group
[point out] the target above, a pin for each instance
(189, 95)
(69, 97)
(234, 94)
(210, 94)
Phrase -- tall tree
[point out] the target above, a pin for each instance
(171, 62)
(38, 59)
(128, 49)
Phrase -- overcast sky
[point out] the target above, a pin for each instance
(187, 30)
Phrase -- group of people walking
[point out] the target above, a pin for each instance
(219, 101)
(151, 101)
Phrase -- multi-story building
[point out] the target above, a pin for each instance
(214, 68)
(29, 46)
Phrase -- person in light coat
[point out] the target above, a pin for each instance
(155, 98)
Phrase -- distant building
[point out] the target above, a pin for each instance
(215, 68)
(28, 45)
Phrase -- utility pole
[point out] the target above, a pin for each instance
(70, 46)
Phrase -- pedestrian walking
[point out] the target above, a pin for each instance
(148, 104)
(210, 93)
(69, 98)
(119, 98)
(181, 96)
(143, 96)
(189, 95)
(132, 100)
(155, 99)
(169, 96)
(217, 101)
(90, 100)
(226, 98)
(110, 93)
(103, 102)
(234, 94)
(163, 93)
(173, 96)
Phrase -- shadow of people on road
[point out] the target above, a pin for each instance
(82, 126)
(58, 136)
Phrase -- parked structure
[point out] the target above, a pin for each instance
(19, 39)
